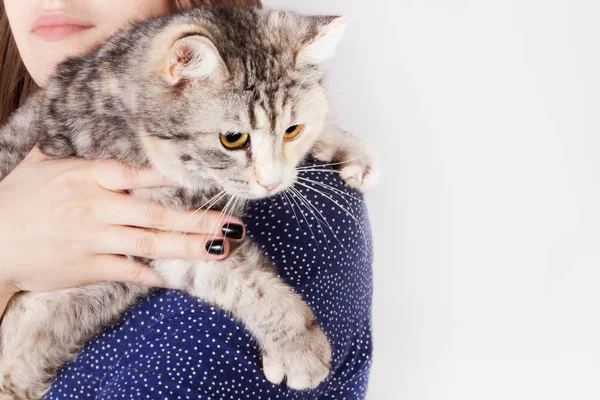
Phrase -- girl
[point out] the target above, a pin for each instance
(72, 215)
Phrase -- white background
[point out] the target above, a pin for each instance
(487, 219)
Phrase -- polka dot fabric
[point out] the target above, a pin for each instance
(174, 346)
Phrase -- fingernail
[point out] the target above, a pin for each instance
(233, 231)
(216, 247)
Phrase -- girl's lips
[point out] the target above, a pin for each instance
(53, 27)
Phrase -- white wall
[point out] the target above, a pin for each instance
(487, 220)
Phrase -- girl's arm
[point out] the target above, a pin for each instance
(65, 223)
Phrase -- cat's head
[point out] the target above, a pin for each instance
(235, 96)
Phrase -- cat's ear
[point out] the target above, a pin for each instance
(196, 58)
(324, 34)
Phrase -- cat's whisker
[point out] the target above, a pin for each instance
(239, 207)
(208, 208)
(338, 191)
(329, 188)
(219, 221)
(322, 218)
(336, 163)
(221, 218)
(313, 207)
(287, 202)
(232, 210)
(298, 91)
(304, 81)
(307, 206)
(338, 205)
(333, 171)
(303, 216)
(290, 206)
(210, 203)
(212, 200)
(244, 203)
(311, 101)
(349, 205)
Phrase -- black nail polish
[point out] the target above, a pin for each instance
(233, 231)
(216, 247)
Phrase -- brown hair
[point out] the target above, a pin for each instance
(16, 85)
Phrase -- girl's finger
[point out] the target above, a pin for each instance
(122, 269)
(161, 245)
(123, 209)
(117, 177)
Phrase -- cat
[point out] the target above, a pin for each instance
(214, 98)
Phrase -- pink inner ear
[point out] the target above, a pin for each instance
(195, 57)
(185, 55)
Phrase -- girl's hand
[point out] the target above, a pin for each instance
(66, 223)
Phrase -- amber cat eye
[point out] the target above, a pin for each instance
(293, 132)
(234, 140)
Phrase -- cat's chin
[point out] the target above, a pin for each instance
(250, 195)
(262, 193)
(260, 197)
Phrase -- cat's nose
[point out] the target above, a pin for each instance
(270, 185)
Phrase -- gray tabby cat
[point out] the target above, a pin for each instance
(217, 99)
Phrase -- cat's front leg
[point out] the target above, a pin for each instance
(245, 283)
(357, 163)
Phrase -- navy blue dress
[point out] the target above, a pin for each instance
(174, 346)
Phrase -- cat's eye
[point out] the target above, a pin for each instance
(293, 132)
(235, 140)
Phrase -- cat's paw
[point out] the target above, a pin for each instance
(354, 159)
(361, 176)
(303, 361)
